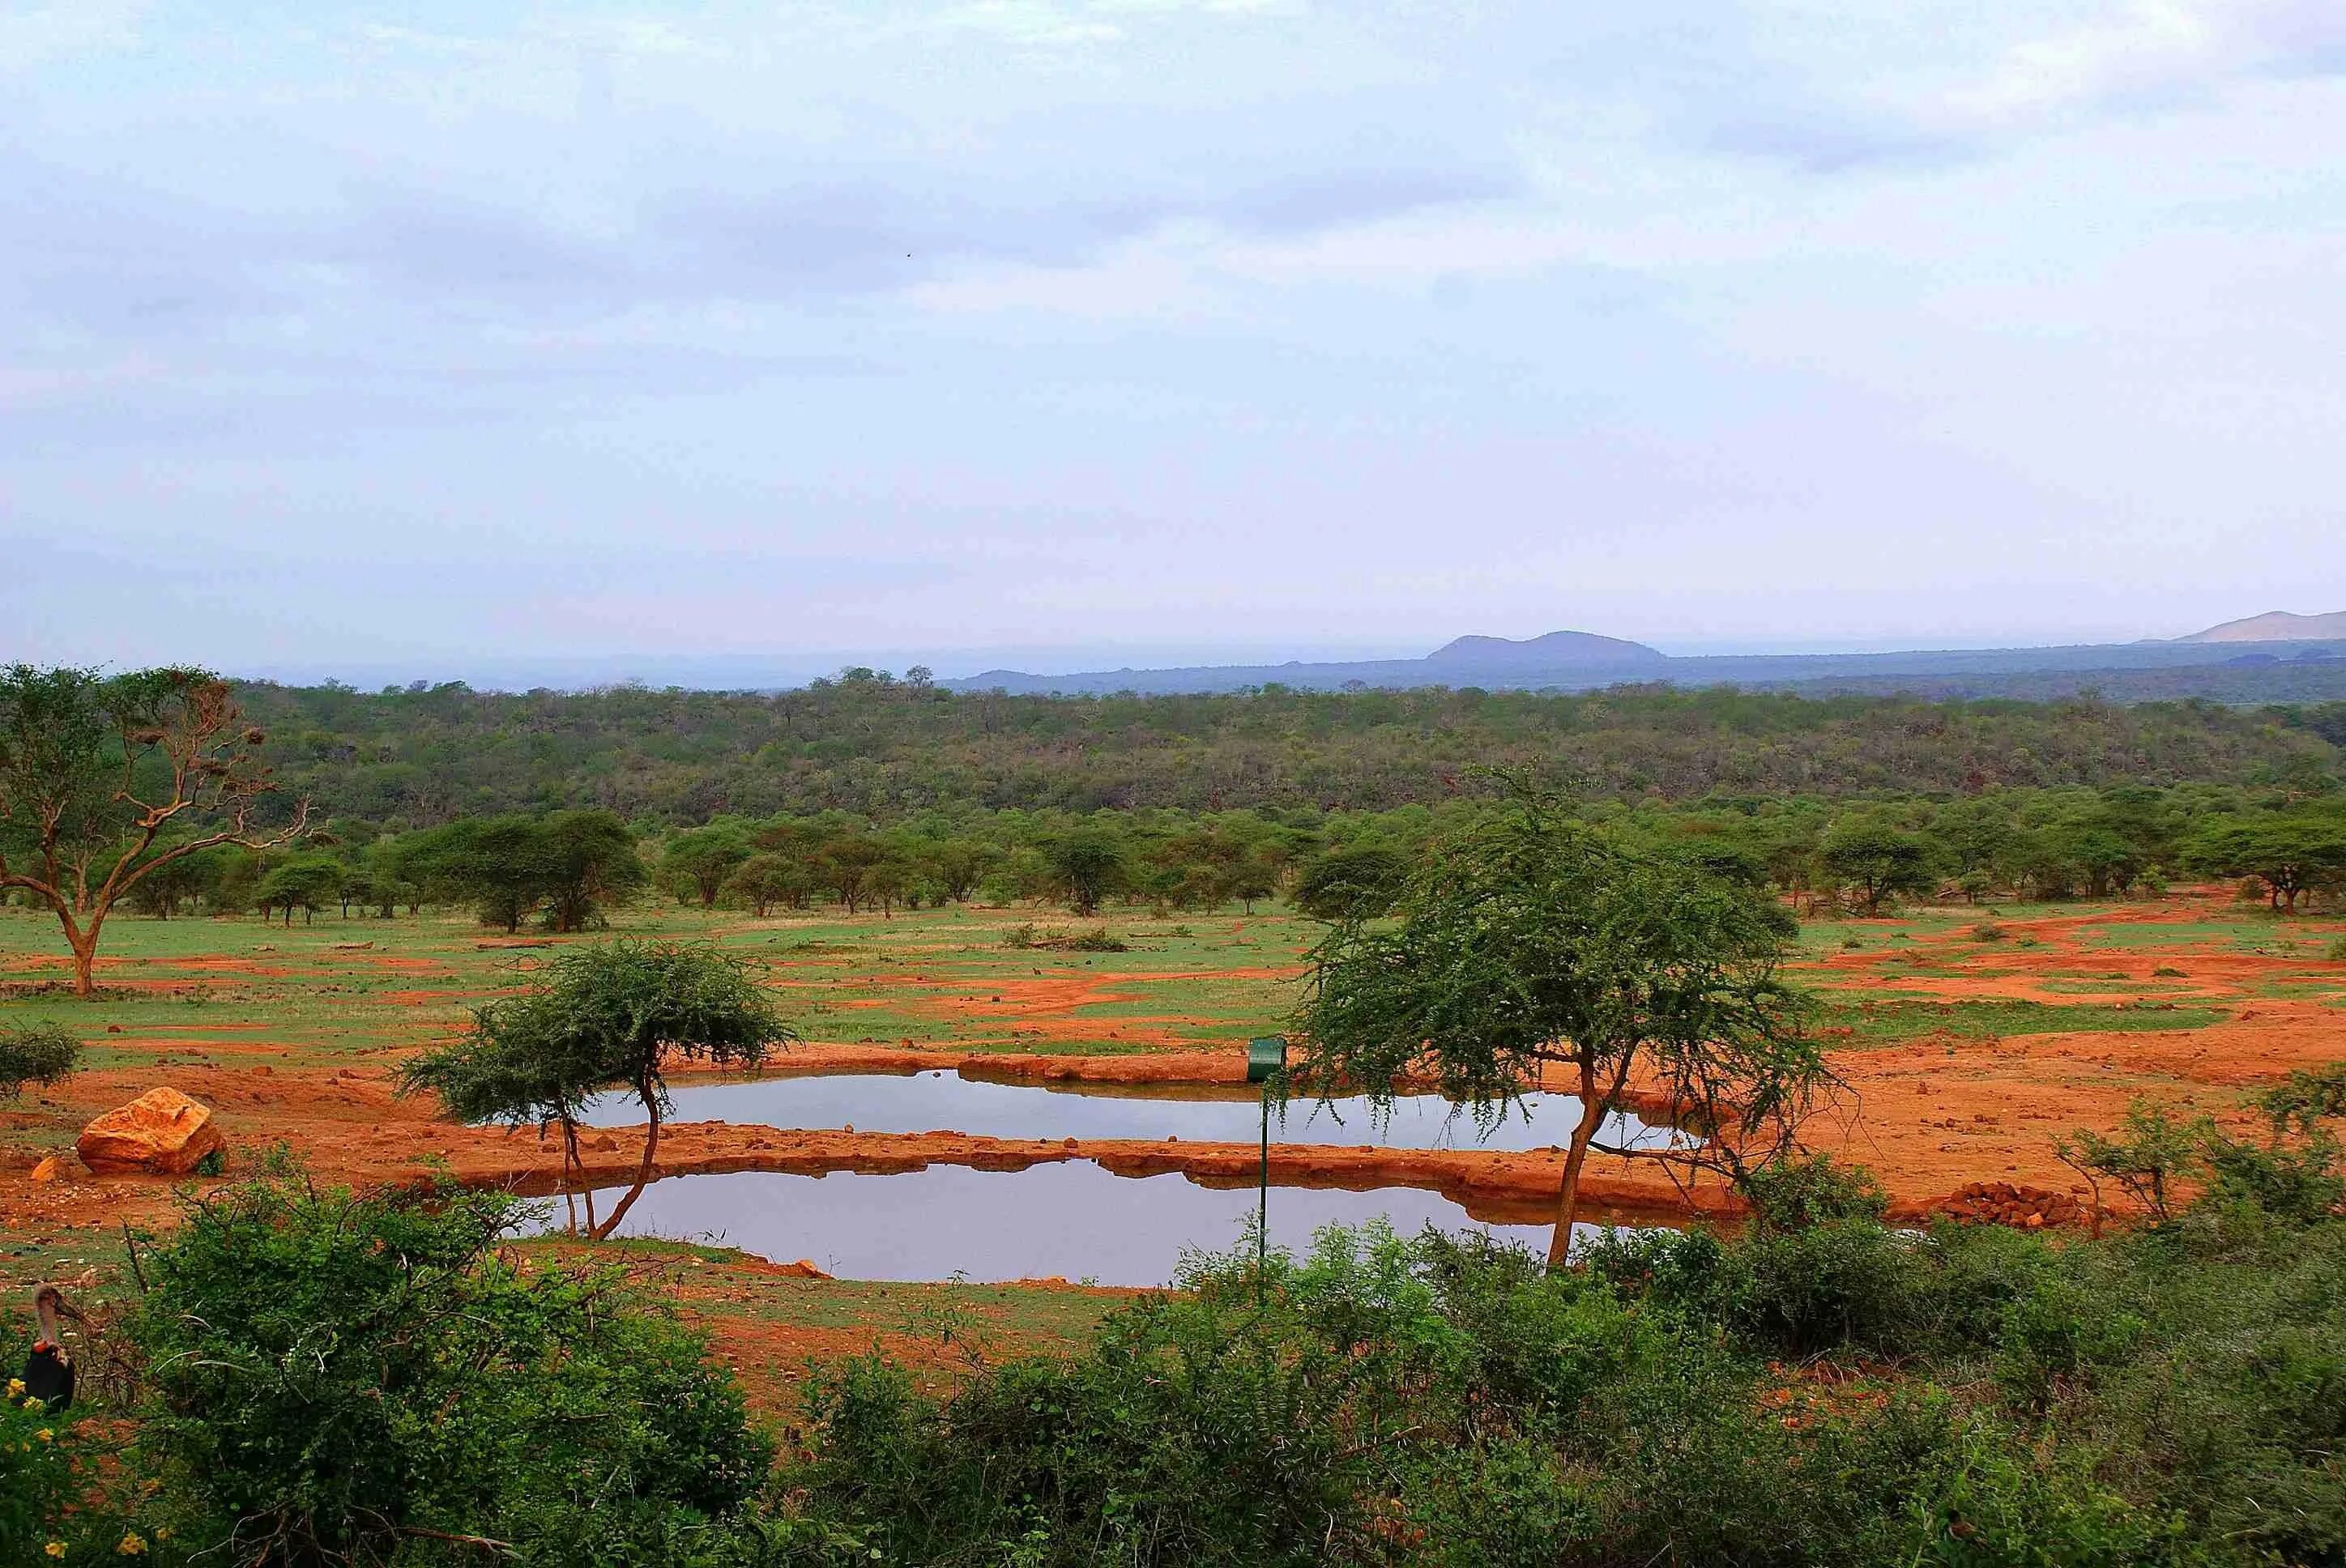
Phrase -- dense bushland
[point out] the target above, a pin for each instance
(1829, 1392)
(886, 750)
(319, 1378)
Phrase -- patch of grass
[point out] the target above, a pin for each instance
(1882, 1023)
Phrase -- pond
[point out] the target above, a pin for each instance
(1073, 1221)
(947, 1102)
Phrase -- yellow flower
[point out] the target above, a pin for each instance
(162, 1533)
(55, 1549)
(132, 1545)
(15, 1388)
(34, 1404)
(46, 1435)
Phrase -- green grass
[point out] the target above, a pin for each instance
(932, 977)
(1884, 1021)
(929, 977)
(1026, 1313)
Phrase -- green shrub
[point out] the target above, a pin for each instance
(41, 1053)
(1437, 1402)
(339, 1378)
(36, 1473)
(1795, 1194)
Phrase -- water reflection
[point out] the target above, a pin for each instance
(1073, 1221)
(947, 1102)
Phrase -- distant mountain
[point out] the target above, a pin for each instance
(1567, 659)
(1556, 650)
(1582, 661)
(2275, 627)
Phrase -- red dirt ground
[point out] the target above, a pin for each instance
(1931, 1116)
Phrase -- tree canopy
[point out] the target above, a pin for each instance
(104, 780)
(600, 1018)
(1529, 939)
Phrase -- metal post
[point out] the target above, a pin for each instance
(1262, 1204)
(1266, 1064)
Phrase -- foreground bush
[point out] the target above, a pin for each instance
(335, 1379)
(1444, 1403)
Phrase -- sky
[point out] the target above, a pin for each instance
(494, 342)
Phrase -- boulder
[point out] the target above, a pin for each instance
(162, 1133)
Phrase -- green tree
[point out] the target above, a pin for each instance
(763, 880)
(1086, 867)
(2291, 853)
(106, 780)
(591, 863)
(598, 1019)
(1528, 940)
(172, 884)
(700, 859)
(1360, 883)
(307, 883)
(500, 865)
(844, 862)
(1877, 860)
(570, 864)
(958, 866)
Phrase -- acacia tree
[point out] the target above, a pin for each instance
(106, 780)
(1879, 860)
(1527, 939)
(598, 1019)
(2291, 853)
(1086, 867)
(698, 859)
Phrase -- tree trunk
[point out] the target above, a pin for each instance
(83, 943)
(1567, 1198)
(570, 1164)
(643, 1170)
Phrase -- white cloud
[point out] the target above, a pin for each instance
(2145, 49)
(41, 35)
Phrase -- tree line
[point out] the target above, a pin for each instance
(564, 869)
(156, 791)
(889, 749)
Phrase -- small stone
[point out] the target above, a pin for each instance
(46, 1170)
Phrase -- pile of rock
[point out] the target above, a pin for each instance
(2008, 1203)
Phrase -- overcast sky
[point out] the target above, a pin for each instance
(444, 338)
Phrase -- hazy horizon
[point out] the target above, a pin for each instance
(753, 669)
(1069, 334)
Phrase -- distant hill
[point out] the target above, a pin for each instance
(2275, 627)
(1557, 650)
(1568, 660)
(1581, 661)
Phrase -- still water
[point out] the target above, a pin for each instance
(1074, 1220)
(947, 1102)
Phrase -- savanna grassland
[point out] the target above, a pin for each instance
(1968, 1038)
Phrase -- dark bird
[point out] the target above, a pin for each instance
(49, 1371)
